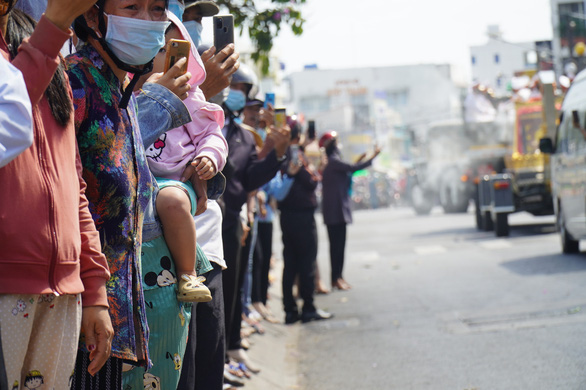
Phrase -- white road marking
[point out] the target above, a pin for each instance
(429, 250)
(366, 256)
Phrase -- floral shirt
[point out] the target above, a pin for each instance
(119, 188)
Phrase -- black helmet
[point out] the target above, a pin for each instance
(245, 75)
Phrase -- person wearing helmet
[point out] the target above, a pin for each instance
(299, 233)
(244, 172)
(336, 181)
(118, 39)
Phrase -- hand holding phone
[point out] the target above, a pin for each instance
(177, 49)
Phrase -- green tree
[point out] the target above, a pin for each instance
(263, 24)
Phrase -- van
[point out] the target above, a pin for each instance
(568, 167)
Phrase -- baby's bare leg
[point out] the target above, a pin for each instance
(174, 209)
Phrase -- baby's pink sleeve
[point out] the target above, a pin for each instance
(206, 130)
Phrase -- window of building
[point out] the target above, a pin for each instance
(530, 57)
(398, 98)
(571, 24)
(496, 59)
(473, 60)
(313, 104)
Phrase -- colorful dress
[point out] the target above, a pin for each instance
(119, 188)
(168, 318)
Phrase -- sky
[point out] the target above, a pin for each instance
(372, 33)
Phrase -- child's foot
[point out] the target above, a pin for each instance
(191, 289)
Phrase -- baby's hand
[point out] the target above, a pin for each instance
(204, 167)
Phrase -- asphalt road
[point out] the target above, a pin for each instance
(438, 305)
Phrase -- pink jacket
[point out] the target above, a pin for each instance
(48, 238)
(169, 155)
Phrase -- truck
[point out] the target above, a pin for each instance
(524, 182)
(454, 154)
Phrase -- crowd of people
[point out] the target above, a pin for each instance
(139, 200)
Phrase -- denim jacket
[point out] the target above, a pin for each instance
(160, 110)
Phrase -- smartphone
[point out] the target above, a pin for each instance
(177, 49)
(223, 31)
(294, 153)
(311, 129)
(280, 117)
(576, 119)
(269, 99)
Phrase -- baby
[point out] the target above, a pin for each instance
(200, 144)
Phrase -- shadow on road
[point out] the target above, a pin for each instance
(547, 264)
(532, 229)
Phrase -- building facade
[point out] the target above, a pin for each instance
(386, 105)
(495, 63)
(569, 28)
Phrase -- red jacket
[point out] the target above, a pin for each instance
(48, 240)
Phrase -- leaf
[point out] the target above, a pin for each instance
(263, 25)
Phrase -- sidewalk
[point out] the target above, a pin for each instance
(275, 351)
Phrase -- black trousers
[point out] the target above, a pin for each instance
(108, 378)
(299, 255)
(232, 279)
(203, 364)
(337, 238)
(262, 262)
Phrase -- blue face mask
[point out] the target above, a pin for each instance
(177, 8)
(194, 29)
(236, 100)
(135, 41)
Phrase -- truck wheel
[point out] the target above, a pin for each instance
(502, 225)
(421, 200)
(569, 245)
(488, 225)
(452, 198)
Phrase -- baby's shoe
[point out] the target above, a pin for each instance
(191, 289)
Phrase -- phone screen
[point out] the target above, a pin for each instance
(269, 99)
(280, 117)
(311, 129)
(294, 153)
(576, 119)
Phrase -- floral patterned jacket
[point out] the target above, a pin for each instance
(119, 188)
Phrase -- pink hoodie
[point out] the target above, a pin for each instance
(168, 155)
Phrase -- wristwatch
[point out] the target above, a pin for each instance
(282, 158)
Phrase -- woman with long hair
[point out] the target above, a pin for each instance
(53, 272)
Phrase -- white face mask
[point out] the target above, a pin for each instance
(135, 41)
(194, 29)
